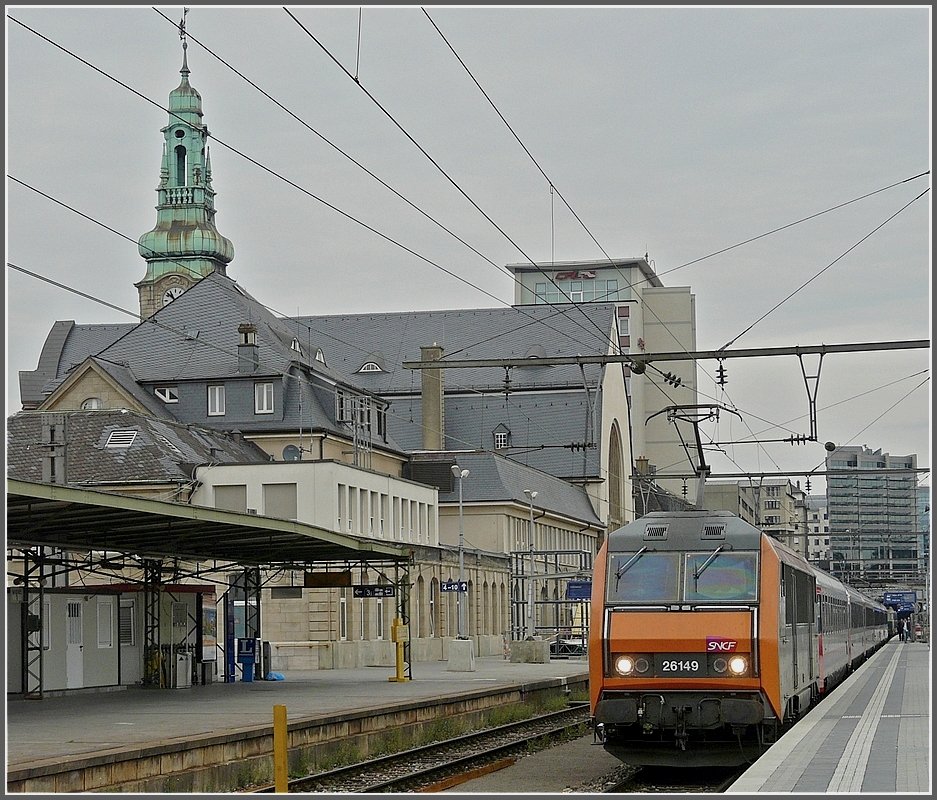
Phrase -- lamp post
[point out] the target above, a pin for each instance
(459, 474)
(529, 626)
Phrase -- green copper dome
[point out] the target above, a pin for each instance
(184, 100)
(185, 239)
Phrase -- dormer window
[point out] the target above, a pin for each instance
(168, 394)
(296, 346)
(370, 366)
(320, 357)
(247, 334)
(502, 437)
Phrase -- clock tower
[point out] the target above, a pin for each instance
(185, 245)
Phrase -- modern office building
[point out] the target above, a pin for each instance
(873, 516)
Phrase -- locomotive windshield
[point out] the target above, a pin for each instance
(643, 577)
(671, 577)
(720, 576)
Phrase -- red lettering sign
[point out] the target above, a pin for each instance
(574, 274)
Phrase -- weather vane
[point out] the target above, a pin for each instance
(182, 27)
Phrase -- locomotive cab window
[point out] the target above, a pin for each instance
(643, 577)
(717, 576)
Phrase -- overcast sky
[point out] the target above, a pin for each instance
(676, 132)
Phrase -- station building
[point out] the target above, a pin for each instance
(307, 426)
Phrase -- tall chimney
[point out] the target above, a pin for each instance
(434, 408)
(248, 357)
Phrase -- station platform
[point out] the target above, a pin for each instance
(50, 741)
(872, 735)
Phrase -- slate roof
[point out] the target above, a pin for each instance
(494, 478)
(541, 427)
(66, 346)
(160, 452)
(351, 340)
(196, 336)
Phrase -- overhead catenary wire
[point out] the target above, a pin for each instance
(819, 273)
(435, 163)
(601, 337)
(577, 217)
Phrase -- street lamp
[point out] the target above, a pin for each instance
(459, 474)
(529, 627)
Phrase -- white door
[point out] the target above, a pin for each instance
(74, 657)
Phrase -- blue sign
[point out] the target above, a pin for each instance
(453, 586)
(373, 591)
(579, 590)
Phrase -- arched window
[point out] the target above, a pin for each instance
(91, 404)
(180, 165)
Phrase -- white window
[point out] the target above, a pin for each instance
(343, 617)
(623, 325)
(342, 492)
(126, 623)
(263, 398)
(501, 440)
(370, 367)
(105, 622)
(91, 404)
(168, 394)
(216, 401)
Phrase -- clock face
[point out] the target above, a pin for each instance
(171, 294)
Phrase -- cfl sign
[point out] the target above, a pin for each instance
(719, 644)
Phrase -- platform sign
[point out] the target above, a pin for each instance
(898, 598)
(579, 590)
(373, 591)
(453, 586)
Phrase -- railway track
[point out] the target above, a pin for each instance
(657, 780)
(447, 763)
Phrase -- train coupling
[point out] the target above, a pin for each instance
(680, 734)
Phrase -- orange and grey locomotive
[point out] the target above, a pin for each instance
(708, 639)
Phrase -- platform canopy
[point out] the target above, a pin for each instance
(75, 519)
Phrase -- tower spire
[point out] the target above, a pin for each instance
(185, 46)
(185, 245)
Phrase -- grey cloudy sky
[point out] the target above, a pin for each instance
(676, 132)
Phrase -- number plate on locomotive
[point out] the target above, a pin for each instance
(680, 665)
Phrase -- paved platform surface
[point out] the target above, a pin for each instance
(870, 736)
(66, 726)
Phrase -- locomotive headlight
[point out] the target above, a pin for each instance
(738, 665)
(720, 665)
(624, 665)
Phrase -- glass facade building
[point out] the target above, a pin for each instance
(873, 517)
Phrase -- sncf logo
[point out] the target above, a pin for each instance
(719, 644)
